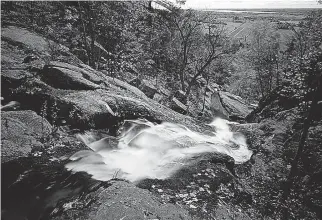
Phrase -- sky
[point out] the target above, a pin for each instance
(219, 4)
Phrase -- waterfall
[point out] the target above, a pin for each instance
(147, 150)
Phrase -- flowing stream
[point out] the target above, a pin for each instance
(156, 151)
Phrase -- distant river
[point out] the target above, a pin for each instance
(239, 11)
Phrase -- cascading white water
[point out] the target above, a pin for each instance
(146, 150)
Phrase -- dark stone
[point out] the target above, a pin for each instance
(30, 58)
(147, 88)
(135, 82)
(81, 54)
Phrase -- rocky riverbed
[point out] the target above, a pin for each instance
(48, 104)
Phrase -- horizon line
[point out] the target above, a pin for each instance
(250, 8)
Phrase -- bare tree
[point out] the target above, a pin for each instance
(198, 42)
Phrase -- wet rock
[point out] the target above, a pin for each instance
(33, 187)
(48, 191)
(21, 131)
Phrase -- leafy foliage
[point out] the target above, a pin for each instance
(303, 73)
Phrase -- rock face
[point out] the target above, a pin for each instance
(20, 132)
(84, 97)
(96, 108)
(217, 107)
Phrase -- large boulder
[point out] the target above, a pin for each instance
(181, 96)
(234, 105)
(20, 132)
(13, 70)
(65, 76)
(177, 106)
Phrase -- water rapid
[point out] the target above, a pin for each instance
(147, 150)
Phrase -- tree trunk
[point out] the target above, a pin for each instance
(182, 81)
(204, 96)
(92, 36)
(84, 32)
(189, 87)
